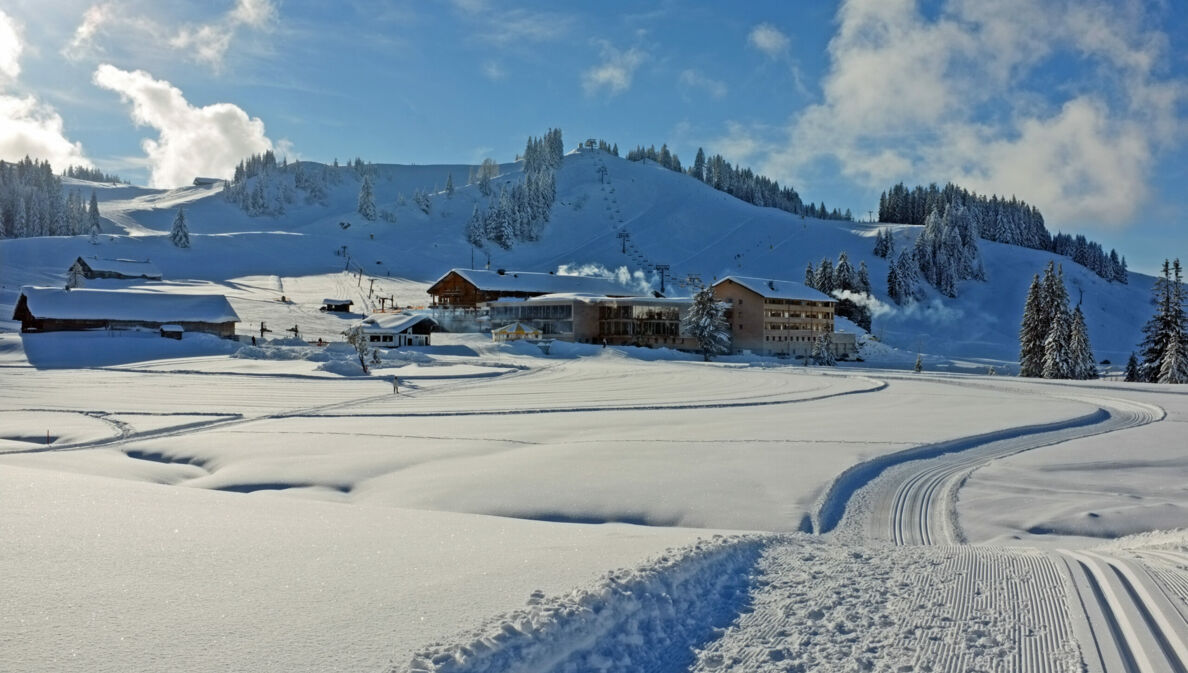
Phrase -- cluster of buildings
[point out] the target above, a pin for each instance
(765, 316)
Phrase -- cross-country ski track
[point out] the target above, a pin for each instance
(878, 593)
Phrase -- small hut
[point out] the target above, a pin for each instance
(336, 305)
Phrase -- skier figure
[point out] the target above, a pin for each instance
(395, 385)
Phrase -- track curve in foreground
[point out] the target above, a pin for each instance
(1129, 612)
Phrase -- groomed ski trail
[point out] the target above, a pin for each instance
(1129, 613)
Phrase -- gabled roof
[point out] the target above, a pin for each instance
(394, 322)
(156, 307)
(538, 283)
(771, 288)
(125, 267)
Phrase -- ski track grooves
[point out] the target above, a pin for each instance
(1129, 613)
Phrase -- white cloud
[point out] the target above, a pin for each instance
(29, 127)
(206, 42)
(615, 72)
(10, 49)
(191, 140)
(93, 19)
(255, 13)
(694, 79)
(768, 39)
(932, 99)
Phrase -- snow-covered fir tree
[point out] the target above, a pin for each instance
(706, 322)
(1132, 373)
(1034, 331)
(1084, 366)
(449, 188)
(475, 234)
(366, 199)
(179, 234)
(822, 353)
(903, 281)
(884, 243)
(1165, 345)
(422, 200)
(919, 366)
(74, 277)
(1053, 341)
(823, 279)
(863, 284)
(947, 249)
(1058, 361)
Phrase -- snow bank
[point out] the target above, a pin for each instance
(641, 619)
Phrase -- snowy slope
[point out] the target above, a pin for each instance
(671, 219)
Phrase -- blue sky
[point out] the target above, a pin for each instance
(1079, 106)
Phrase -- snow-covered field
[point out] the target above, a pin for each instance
(203, 505)
(213, 516)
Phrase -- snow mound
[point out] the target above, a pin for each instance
(649, 618)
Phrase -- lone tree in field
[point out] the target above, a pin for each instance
(919, 367)
(706, 322)
(362, 344)
(366, 199)
(179, 234)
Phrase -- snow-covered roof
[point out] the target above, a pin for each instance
(125, 267)
(535, 282)
(336, 302)
(172, 328)
(158, 307)
(393, 322)
(778, 289)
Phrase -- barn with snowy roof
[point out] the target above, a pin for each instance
(467, 288)
(128, 269)
(51, 309)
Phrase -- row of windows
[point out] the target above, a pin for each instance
(795, 327)
(638, 313)
(792, 314)
(532, 312)
(638, 328)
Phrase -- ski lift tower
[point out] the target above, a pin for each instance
(623, 236)
(663, 269)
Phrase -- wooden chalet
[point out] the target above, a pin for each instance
(125, 269)
(467, 288)
(51, 309)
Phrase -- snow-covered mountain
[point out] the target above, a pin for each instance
(670, 218)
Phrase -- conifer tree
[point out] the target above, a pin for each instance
(93, 214)
(810, 276)
(366, 199)
(449, 188)
(1084, 367)
(74, 277)
(863, 283)
(1165, 345)
(179, 234)
(822, 353)
(475, 229)
(1132, 369)
(919, 366)
(705, 321)
(1057, 359)
(1033, 332)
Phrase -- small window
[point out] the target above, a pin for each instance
(373, 338)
